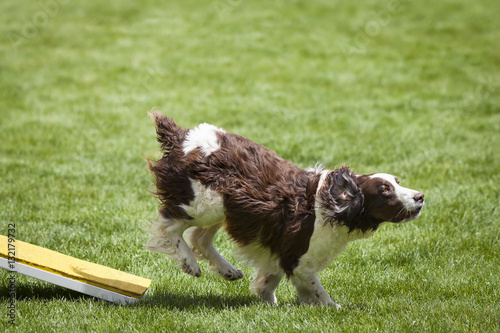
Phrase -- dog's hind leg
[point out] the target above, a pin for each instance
(201, 240)
(167, 238)
(264, 285)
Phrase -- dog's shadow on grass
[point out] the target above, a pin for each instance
(182, 301)
(160, 299)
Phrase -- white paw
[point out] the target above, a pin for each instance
(338, 307)
(191, 268)
(231, 274)
(269, 298)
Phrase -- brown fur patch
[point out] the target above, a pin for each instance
(268, 200)
(343, 201)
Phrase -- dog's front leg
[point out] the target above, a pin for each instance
(310, 290)
(264, 286)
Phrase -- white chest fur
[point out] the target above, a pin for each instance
(326, 243)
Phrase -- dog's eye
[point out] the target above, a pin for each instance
(386, 189)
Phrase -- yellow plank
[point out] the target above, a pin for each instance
(80, 270)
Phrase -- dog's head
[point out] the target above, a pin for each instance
(364, 201)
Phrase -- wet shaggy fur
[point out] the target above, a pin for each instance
(271, 208)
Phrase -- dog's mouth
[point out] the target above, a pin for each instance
(406, 215)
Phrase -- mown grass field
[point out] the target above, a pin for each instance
(406, 87)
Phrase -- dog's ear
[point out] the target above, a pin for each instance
(342, 199)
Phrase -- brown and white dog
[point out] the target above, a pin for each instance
(285, 220)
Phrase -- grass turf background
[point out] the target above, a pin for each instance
(410, 88)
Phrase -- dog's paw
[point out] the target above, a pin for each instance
(193, 270)
(335, 305)
(231, 274)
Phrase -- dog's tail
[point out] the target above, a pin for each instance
(168, 133)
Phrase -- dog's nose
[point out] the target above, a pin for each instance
(419, 197)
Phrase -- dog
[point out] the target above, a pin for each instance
(286, 221)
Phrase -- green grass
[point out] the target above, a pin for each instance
(411, 90)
